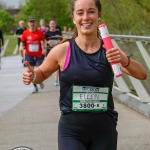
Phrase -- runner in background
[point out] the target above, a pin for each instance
(65, 29)
(1, 40)
(1, 44)
(18, 35)
(34, 46)
(42, 26)
(46, 28)
(53, 37)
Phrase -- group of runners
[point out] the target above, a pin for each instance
(35, 43)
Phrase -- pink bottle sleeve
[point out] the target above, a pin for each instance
(108, 45)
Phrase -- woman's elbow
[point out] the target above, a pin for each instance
(143, 76)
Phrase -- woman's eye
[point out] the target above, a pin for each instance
(91, 12)
(80, 13)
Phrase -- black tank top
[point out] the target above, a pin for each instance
(85, 70)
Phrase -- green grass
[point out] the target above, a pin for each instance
(11, 45)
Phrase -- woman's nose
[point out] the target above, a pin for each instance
(85, 16)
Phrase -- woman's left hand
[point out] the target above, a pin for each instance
(128, 67)
(116, 55)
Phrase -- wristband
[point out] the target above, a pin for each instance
(128, 61)
(34, 77)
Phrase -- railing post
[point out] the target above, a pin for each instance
(140, 90)
(120, 81)
(144, 53)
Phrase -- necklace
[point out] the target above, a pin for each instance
(88, 48)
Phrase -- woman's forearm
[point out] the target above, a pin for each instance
(39, 76)
(135, 69)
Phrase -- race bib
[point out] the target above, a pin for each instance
(33, 47)
(54, 42)
(89, 98)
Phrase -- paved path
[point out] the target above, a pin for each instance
(32, 120)
(12, 90)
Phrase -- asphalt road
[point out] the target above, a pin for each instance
(31, 119)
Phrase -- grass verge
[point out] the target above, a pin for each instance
(11, 44)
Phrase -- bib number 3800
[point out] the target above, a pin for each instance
(88, 98)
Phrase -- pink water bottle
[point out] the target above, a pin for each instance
(108, 45)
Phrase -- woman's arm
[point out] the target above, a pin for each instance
(128, 65)
(53, 61)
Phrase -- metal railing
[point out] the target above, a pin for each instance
(139, 47)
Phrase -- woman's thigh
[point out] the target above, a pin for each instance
(71, 135)
(69, 143)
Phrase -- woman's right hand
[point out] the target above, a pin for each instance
(28, 75)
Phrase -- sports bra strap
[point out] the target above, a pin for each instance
(67, 57)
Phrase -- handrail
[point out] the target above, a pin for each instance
(130, 37)
(124, 84)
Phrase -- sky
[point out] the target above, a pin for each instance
(12, 3)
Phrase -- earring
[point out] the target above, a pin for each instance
(99, 18)
(74, 22)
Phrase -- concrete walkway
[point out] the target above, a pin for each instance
(12, 89)
(32, 119)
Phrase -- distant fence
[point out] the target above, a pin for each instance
(139, 47)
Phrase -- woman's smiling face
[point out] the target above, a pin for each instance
(85, 16)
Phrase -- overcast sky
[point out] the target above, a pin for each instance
(12, 3)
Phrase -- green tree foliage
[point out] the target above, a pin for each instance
(121, 16)
(5, 20)
(126, 17)
(47, 9)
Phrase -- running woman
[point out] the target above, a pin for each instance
(88, 118)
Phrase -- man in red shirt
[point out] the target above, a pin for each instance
(33, 42)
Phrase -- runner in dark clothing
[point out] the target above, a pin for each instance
(53, 37)
(1, 44)
(1, 40)
(19, 31)
(18, 35)
(88, 117)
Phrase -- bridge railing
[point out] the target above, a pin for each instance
(139, 47)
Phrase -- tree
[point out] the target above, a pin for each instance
(5, 20)
(126, 17)
(121, 16)
(48, 9)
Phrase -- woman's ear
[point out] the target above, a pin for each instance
(73, 20)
